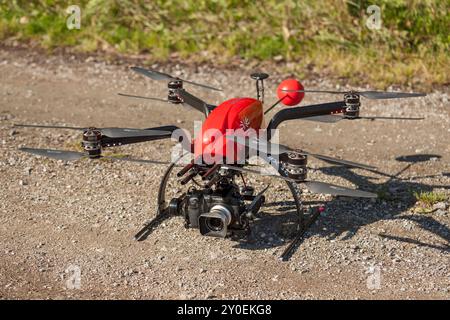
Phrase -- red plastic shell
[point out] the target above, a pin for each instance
(233, 114)
(290, 98)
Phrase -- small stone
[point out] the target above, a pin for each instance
(440, 206)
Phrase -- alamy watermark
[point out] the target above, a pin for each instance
(74, 19)
(373, 22)
(73, 277)
(373, 281)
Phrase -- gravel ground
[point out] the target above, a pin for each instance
(57, 218)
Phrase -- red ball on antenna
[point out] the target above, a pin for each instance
(290, 98)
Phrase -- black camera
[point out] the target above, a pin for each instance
(215, 213)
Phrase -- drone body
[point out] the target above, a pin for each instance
(238, 114)
(222, 204)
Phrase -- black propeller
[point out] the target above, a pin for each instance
(73, 155)
(109, 132)
(141, 97)
(156, 75)
(276, 149)
(368, 94)
(333, 118)
(313, 186)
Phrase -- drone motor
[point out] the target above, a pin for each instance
(352, 104)
(294, 163)
(92, 142)
(173, 87)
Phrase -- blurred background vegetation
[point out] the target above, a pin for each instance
(327, 37)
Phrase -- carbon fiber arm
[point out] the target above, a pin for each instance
(194, 102)
(305, 112)
(112, 142)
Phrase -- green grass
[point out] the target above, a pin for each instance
(429, 198)
(326, 37)
(426, 199)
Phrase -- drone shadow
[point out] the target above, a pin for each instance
(344, 216)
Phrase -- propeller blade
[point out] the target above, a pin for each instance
(315, 91)
(73, 155)
(141, 97)
(277, 149)
(389, 95)
(202, 85)
(48, 127)
(55, 154)
(110, 132)
(156, 75)
(130, 132)
(153, 74)
(329, 118)
(368, 94)
(326, 188)
(340, 161)
(389, 118)
(136, 160)
(313, 186)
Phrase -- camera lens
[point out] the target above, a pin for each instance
(214, 224)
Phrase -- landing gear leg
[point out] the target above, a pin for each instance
(163, 210)
(303, 225)
(287, 253)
